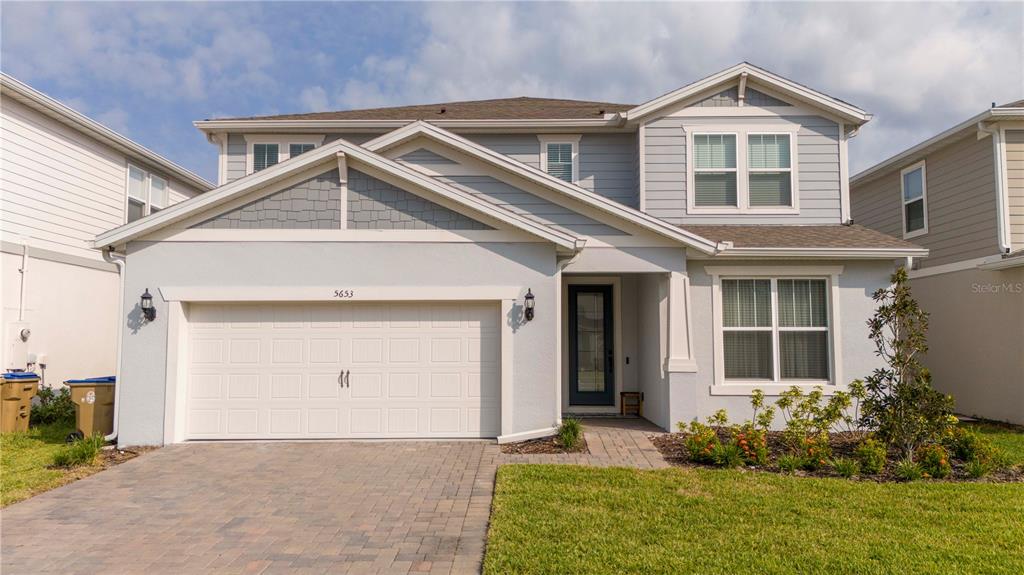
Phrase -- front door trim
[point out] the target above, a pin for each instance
(614, 282)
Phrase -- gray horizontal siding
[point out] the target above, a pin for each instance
(817, 166)
(425, 157)
(607, 162)
(1015, 185)
(524, 203)
(237, 150)
(961, 202)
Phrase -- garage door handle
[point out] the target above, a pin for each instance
(347, 382)
(341, 379)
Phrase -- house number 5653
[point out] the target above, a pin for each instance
(344, 293)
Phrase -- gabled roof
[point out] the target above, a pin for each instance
(1013, 110)
(522, 108)
(326, 153)
(620, 211)
(12, 88)
(844, 110)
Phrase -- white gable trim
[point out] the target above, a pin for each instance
(630, 215)
(847, 112)
(327, 154)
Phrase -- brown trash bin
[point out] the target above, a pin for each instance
(16, 392)
(94, 405)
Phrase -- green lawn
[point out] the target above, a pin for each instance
(25, 460)
(568, 519)
(1009, 440)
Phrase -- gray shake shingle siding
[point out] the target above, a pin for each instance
(377, 205)
(314, 204)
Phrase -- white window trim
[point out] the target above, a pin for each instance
(830, 274)
(742, 171)
(572, 139)
(283, 146)
(147, 190)
(924, 199)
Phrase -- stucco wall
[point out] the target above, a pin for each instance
(690, 394)
(976, 339)
(156, 265)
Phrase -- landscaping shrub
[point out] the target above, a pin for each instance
(53, 406)
(570, 432)
(790, 463)
(871, 455)
(809, 421)
(908, 470)
(934, 460)
(846, 467)
(900, 403)
(727, 455)
(82, 452)
(977, 468)
(701, 442)
(967, 445)
(752, 443)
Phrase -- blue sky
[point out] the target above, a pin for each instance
(149, 69)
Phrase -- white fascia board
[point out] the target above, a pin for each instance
(831, 253)
(69, 117)
(910, 154)
(616, 209)
(846, 111)
(612, 121)
(324, 154)
(1013, 261)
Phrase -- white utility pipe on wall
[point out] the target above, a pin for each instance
(118, 261)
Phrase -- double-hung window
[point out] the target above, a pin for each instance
(714, 170)
(269, 150)
(559, 156)
(147, 193)
(775, 330)
(742, 171)
(297, 149)
(913, 190)
(264, 156)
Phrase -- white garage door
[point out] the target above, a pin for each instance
(343, 370)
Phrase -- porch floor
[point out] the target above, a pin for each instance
(613, 442)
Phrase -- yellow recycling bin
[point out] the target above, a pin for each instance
(18, 389)
(94, 406)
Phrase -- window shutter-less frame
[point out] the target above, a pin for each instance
(559, 161)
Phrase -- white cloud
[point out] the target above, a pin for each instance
(116, 119)
(918, 67)
(313, 99)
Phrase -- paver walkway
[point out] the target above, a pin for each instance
(286, 507)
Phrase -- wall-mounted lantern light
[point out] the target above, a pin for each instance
(148, 311)
(528, 303)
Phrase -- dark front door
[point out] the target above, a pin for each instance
(591, 345)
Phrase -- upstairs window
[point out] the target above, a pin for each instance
(769, 172)
(297, 149)
(714, 170)
(264, 156)
(913, 188)
(559, 156)
(742, 171)
(147, 193)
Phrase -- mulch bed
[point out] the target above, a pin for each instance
(843, 444)
(543, 445)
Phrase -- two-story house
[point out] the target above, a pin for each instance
(961, 195)
(63, 179)
(479, 269)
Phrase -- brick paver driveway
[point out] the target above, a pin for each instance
(386, 507)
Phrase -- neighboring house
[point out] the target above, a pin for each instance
(63, 179)
(961, 195)
(373, 273)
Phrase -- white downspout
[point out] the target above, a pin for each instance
(1001, 195)
(24, 280)
(119, 261)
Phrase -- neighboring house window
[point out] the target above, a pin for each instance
(775, 329)
(913, 188)
(559, 156)
(714, 170)
(769, 172)
(742, 172)
(264, 156)
(147, 193)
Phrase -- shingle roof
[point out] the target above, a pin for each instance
(1017, 104)
(522, 108)
(779, 236)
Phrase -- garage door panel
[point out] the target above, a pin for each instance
(272, 371)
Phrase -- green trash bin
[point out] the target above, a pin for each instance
(94, 406)
(16, 392)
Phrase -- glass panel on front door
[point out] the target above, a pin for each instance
(590, 339)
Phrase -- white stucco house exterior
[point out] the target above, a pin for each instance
(365, 273)
(63, 179)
